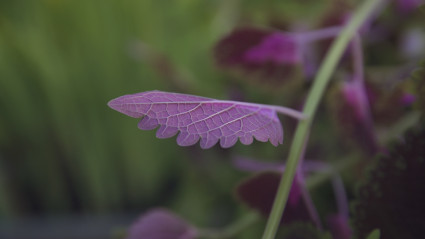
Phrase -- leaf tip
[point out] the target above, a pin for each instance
(113, 104)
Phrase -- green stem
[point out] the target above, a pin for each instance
(313, 99)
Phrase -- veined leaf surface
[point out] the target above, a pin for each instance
(202, 118)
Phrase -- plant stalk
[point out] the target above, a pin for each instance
(321, 81)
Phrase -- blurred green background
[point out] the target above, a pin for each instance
(64, 152)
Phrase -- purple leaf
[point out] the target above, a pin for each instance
(407, 99)
(355, 95)
(262, 55)
(407, 6)
(202, 118)
(161, 224)
(353, 117)
(276, 47)
(259, 191)
(257, 46)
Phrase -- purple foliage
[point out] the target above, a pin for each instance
(407, 6)
(258, 192)
(353, 114)
(161, 224)
(407, 99)
(201, 118)
(276, 47)
(231, 50)
(339, 226)
(356, 97)
(271, 55)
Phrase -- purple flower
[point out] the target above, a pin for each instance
(161, 224)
